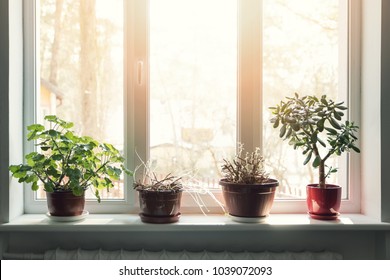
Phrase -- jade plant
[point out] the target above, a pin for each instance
(64, 161)
(315, 124)
(245, 168)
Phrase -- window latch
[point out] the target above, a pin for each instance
(140, 66)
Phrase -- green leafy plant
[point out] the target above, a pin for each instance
(245, 168)
(64, 161)
(306, 122)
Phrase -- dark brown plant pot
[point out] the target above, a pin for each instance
(65, 203)
(249, 200)
(159, 206)
(323, 203)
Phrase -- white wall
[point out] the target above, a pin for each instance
(11, 105)
(370, 111)
(16, 101)
(4, 109)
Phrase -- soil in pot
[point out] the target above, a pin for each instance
(249, 200)
(159, 206)
(323, 203)
(65, 203)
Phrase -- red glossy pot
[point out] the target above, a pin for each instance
(323, 203)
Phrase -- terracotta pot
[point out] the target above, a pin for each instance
(323, 203)
(65, 203)
(159, 207)
(251, 201)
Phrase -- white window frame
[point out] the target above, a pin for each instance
(31, 99)
(249, 92)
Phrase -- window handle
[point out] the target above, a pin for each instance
(140, 68)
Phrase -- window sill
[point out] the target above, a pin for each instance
(132, 223)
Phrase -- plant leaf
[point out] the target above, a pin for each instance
(35, 127)
(337, 115)
(308, 158)
(356, 149)
(316, 162)
(321, 142)
(276, 123)
(282, 131)
(34, 186)
(295, 126)
(289, 131)
(331, 130)
(334, 123)
(320, 125)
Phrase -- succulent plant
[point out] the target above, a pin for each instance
(315, 125)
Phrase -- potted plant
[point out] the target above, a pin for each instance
(315, 125)
(246, 187)
(66, 165)
(159, 198)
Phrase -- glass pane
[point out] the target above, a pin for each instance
(81, 69)
(193, 85)
(301, 53)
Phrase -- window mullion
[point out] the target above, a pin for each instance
(250, 74)
(354, 9)
(30, 89)
(137, 83)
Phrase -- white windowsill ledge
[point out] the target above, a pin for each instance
(131, 222)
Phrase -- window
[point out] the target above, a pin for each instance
(182, 82)
(80, 49)
(193, 86)
(79, 74)
(304, 50)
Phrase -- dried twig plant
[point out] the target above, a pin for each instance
(245, 168)
(150, 182)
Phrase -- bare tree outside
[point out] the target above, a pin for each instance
(81, 58)
(300, 54)
(89, 61)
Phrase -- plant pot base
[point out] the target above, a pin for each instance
(334, 216)
(160, 219)
(239, 219)
(68, 218)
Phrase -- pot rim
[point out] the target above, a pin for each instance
(328, 186)
(270, 183)
(64, 191)
(159, 191)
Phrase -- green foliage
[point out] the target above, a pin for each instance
(311, 123)
(65, 161)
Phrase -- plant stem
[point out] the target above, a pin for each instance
(96, 171)
(321, 167)
(40, 177)
(322, 183)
